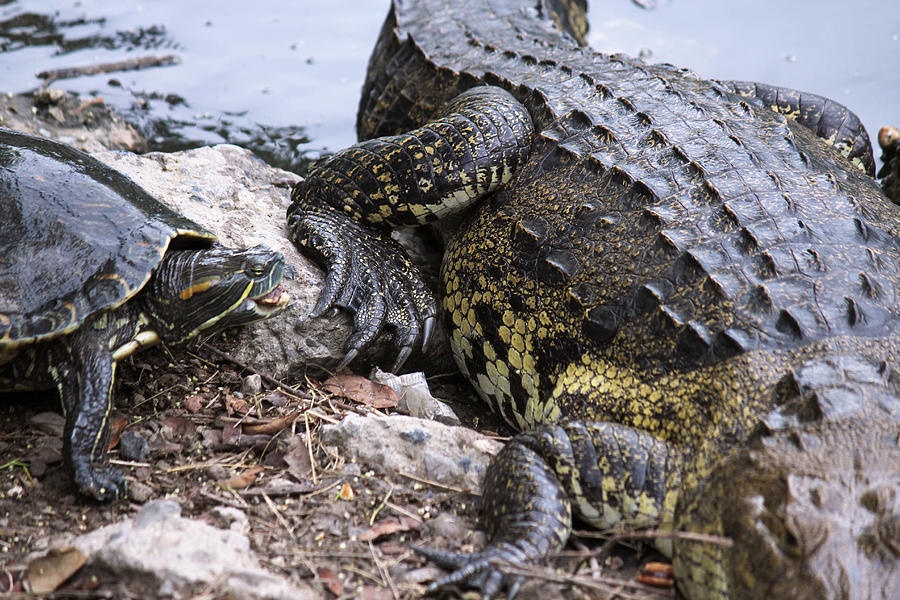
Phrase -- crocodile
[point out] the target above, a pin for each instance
(682, 291)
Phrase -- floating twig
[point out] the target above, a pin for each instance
(132, 64)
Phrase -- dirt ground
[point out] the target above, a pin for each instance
(342, 528)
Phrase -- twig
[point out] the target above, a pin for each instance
(436, 484)
(403, 511)
(279, 516)
(309, 450)
(132, 64)
(268, 378)
(385, 573)
(381, 505)
(653, 534)
(601, 583)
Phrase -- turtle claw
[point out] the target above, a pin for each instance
(104, 483)
(369, 275)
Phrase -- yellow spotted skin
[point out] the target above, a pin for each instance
(676, 284)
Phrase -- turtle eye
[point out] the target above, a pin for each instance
(256, 267)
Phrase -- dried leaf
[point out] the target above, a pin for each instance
(47, 573)
(271, 426)
(298, 459)
(180, 426)
(244, 480)
(347, 492)
(389, 549)
(330, 580)
(231, 432)
(371, 592)
(194, 404)
(657, 574)
(387, 527)
(359, 389)
(233, 405)
(116, 426)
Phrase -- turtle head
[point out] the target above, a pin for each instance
(213, 289)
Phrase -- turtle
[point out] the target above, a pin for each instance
(93, 268)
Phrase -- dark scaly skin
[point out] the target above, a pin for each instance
(889, 140)
(480, 142)
(676, 276)
(90, 273)
(823, 116)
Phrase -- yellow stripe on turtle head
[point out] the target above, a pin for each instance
(196, 288)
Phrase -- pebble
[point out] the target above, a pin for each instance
(252, 384)
(133, 446)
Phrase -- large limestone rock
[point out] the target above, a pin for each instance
(181, 557)
(243, 201)
(449, 455)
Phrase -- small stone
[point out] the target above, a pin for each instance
(217, 472)
(139, 492)
(133, 446)
(50, 423)
(228, 517)
(252, 384)
(448, 526)
(212, 438)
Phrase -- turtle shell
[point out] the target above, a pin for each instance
(76, 237)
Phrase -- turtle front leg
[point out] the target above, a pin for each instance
(85, 383)
(342, 213)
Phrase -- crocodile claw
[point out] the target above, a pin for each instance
(368, 274)
(479, 570)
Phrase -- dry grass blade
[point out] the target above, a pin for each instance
(611, 586)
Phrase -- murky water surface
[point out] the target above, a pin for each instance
(283, 76)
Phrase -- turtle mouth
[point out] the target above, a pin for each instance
(269, 304)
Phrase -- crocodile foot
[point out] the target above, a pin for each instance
(481, 571)
(526, 514)
(368, 274)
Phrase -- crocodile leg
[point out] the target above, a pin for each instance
(342, 214)
(85, 380)
(836, 124)
(609, 474)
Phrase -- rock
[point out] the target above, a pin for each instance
(415, 397)
(243, 201)
(452, 456)
(50, 423)
(185, 556)
(139, 492)
(133, 446)
(85, 123)
(251, 384)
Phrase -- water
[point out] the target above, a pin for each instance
(283, 77)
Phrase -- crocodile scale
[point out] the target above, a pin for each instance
(685, 299)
